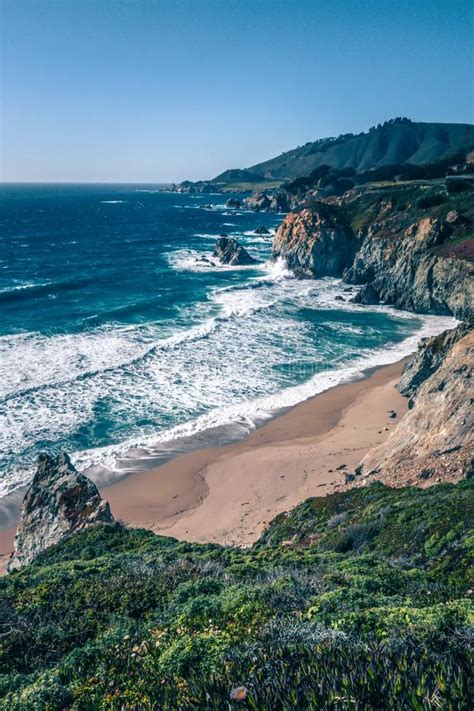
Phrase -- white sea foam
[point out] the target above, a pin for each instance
(112, 202)
(21, 287)
(220, 372)
(252, 233)
(276, 271)
(245, 416)
(198, 261)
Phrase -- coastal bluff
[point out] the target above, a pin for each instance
(408, 246)
(434, 441)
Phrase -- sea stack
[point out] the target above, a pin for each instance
(229, 251)
(59, 501)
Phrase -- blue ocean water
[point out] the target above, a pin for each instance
(120, 342)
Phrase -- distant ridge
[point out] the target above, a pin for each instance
(396, 141)
(238, 174)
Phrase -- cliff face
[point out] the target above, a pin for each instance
(434, 441)
(58, 502)
(315, 242)
(429, 357)
(404, 271)
(407, 245)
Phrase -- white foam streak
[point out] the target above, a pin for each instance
(247, 415)
(227, 368)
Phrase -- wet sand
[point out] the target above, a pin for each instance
(228, 494)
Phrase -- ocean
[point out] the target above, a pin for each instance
(122, 345)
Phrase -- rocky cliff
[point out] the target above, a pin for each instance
(434, 441)
(404, 270)
(59, 501)
(407, 245)
(315, 242)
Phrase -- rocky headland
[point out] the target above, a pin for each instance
(315, 242)
(408, 245)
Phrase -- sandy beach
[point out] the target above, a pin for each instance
(227, 495)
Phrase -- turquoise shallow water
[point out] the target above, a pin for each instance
(116, 334)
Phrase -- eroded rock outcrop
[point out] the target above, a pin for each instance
(434, 441)
(405, 270)
(229, 251)
(268, 202)
(257, 201)
(280, 202)
(233, 203)
(429, 357)
(59, 502)
(315, 242)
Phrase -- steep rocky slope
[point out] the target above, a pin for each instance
(58, 502)
(429, 357)
(434, 441)
(405, 244)
(401, 269)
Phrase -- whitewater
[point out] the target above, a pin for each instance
(122, 345)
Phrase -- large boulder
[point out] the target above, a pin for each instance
(367, 295)
(315, 242)
(59, 502)
(229, 251)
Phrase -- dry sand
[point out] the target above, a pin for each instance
(227, 495)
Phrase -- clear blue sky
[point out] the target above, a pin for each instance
(159, 90)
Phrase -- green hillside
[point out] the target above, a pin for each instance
(395, 142)
(360, 600)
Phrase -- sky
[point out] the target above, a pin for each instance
(164, 90)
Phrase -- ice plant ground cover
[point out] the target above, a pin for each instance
(360, 600)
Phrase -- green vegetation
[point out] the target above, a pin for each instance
(405, 201)
(245, 187)
(360, 600)
(396, 142)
